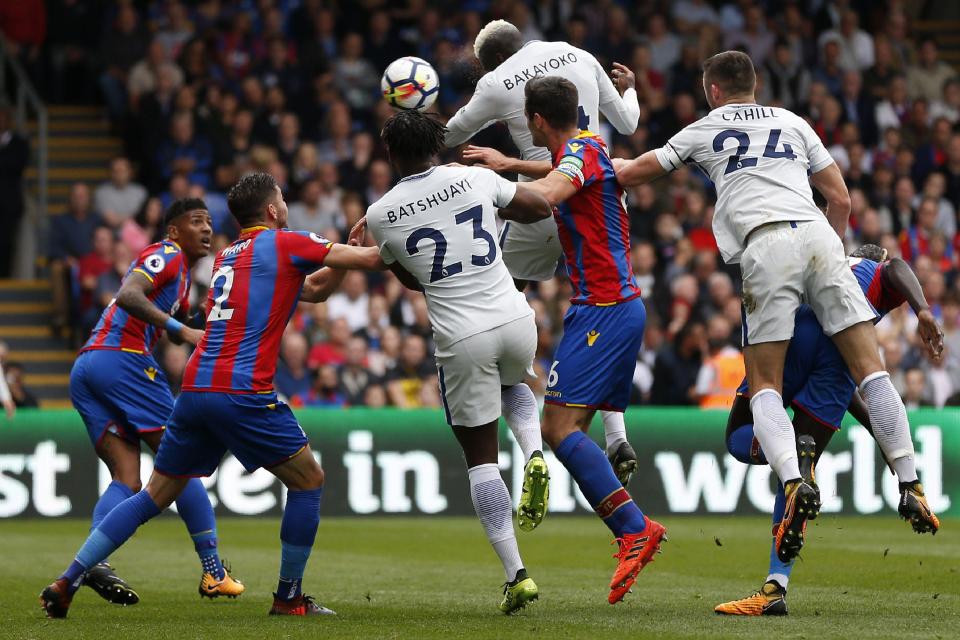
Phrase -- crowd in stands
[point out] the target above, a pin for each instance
(203, 92)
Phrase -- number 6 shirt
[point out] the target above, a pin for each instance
(439, 225)
(254, 290)
(759, 158)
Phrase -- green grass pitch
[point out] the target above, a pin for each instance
(438, 578)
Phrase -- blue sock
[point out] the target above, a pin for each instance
(115, 493)
(197, 513)
(780, 571)
(589, 466)
(112, 532)
(744, 446)
(298, 530)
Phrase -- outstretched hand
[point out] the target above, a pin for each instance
(930, 334)
(485, 157)
(358, 233)
(623, 78)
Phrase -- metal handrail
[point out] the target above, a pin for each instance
(27, 96)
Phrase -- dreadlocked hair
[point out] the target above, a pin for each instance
(412, 135)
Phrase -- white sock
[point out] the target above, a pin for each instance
(782, 579)
(774, 432)
(889, 421)
(614, 428)
(491, 500)
(520, 411)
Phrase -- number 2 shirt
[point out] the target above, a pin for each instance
(439, 225)
(759, 158)
(254, 290)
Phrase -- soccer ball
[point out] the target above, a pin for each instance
(410, 83)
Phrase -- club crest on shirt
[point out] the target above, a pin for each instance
(592, 336)
(151, 373)
(155, 263)
(574, 147)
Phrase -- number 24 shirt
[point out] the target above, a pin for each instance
(759, 158)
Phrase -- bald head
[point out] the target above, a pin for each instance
(496, 42)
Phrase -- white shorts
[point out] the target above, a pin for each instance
(472, 370)
(786, 264)
(531, 251)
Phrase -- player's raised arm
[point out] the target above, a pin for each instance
(640, 170)
(618, 102)
(898, 276)
(492, 159)
(829, 182)
(132, 298)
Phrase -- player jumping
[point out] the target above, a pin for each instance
(758, 157)
(228, 401)
(603, 330)
(122, 394)
(817, 384)
(531, 251)
(436, 230)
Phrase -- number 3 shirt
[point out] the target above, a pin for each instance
(759, 158)
(439, 225)
(254, 290)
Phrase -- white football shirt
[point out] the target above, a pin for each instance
(440, 226)
(499, 96)
(759, 158)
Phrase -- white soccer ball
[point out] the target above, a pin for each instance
(410, 83)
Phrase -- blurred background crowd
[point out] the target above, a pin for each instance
(203, 92)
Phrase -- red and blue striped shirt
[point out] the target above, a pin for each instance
(254, 290)
(593, 224)
(164, 265)
(869, 275)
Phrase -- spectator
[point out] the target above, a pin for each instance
(121, 48)
(351, 302)
(930, 73)
(89, 269)
(144, 75)
(914, 242)
(325, 392)
(293, 379)
(120, 198)
(785, 77)
(915, 393)
(893, 111)
(379, 179)
(410, 381)
(307, 214)
(948, 106)
(71, 238)
(856, 45)
(722, 370)
(185, 153)
(22, 397)
(877, 78)
(108, 282)
(354, 377)
(664, 46)
(333, 349)
(14, 153)
(754, 38)
(858, 107)
(677, 367)
(359, 78)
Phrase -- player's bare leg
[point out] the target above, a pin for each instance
(303, 477)
(775, 433)
(491, 500)
(638, 537)
(888, 420)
